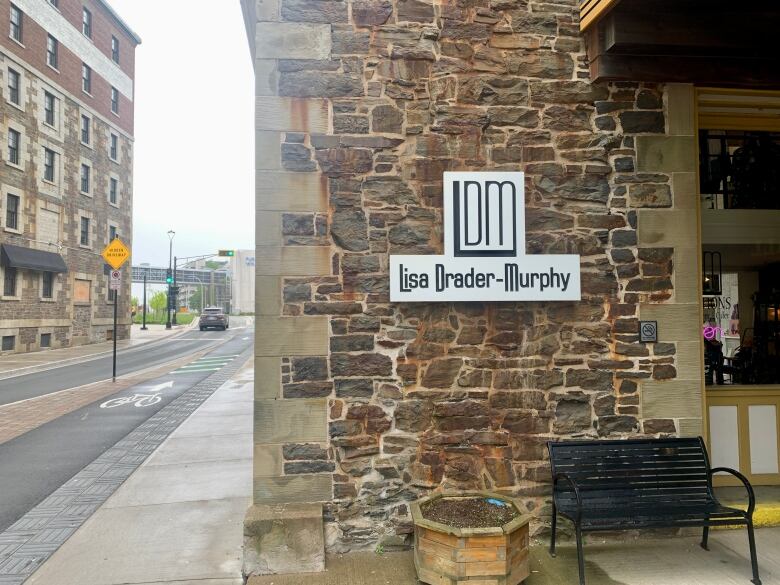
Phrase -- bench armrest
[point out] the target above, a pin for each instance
(745, 482)
(575, 487)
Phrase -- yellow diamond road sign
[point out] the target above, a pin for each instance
(116, 254)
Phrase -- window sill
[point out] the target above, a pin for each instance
(14, 166)
(13, 231)
(5, 298)
(48, 300)
(85, 247)
(113, 160)
(85, 92)
(114, 205)
(87, 144)
(85, 194)
(53, 68)
(19, 107)
(18, 42)
(50, 183)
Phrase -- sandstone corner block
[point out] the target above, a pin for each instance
(286, 40)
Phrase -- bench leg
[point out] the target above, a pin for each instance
(705, 537)
(580, 556)
(553, 524)
(753, 559)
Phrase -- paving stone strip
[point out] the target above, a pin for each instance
(21, 417)
(32, 539)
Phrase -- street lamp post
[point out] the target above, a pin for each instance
(171, 234)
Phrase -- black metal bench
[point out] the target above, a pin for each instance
(642, 483)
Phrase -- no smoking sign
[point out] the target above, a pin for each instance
(648, 331)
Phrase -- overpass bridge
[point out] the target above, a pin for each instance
(215, 285)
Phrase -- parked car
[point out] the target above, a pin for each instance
(214, 317)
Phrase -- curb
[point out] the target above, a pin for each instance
(85, 358)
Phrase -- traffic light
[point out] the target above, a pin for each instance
(168, 276)
(227, 253)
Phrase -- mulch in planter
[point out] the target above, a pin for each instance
(469, 512)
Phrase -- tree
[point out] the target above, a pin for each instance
(215, 264)
(195, 300)
(134, 302)
(158, 302)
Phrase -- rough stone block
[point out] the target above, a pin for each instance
(287, 40)
(285, 538)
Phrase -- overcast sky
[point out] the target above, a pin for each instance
(194, 128)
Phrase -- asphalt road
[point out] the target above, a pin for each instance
(35, 464)
(128, 361)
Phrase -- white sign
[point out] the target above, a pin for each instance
(116, 280)
(484, 250)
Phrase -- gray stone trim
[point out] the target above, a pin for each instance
(32, 539)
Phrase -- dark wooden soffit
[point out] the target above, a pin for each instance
(693, 41)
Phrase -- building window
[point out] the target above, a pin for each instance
(47, 285)
(114, 100)
(111, 233)
(12, 211)
(55, 3)
(9, 342)
(49, 160)
(84, 240)
(86, 125)
(85, 178)
(86, 23)
(9, 282)
(14, 84)
(45, 339)
(16, 23)
(52, 50)
(14, 142)
(49, 108)
(86, 78)
(113, 194)
(115, 49)
(113, 149)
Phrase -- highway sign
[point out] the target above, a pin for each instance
(116, 254)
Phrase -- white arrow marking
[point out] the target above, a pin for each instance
(161, 387)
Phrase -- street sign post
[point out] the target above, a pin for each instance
(115, 255)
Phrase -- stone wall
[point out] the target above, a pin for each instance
(454, 395)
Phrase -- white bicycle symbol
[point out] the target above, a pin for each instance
(140, 400)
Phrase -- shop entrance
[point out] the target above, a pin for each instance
(739, 184)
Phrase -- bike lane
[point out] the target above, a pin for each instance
(35, 464)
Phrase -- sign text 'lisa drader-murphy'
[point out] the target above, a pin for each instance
(484, 250)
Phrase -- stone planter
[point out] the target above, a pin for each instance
(445, 555)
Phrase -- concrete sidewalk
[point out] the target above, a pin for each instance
(36, 361)
(672, 561)
(179, 517)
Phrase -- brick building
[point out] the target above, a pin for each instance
(66, 132)
(363, 404)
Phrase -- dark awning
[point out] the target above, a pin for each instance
(19, 257)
